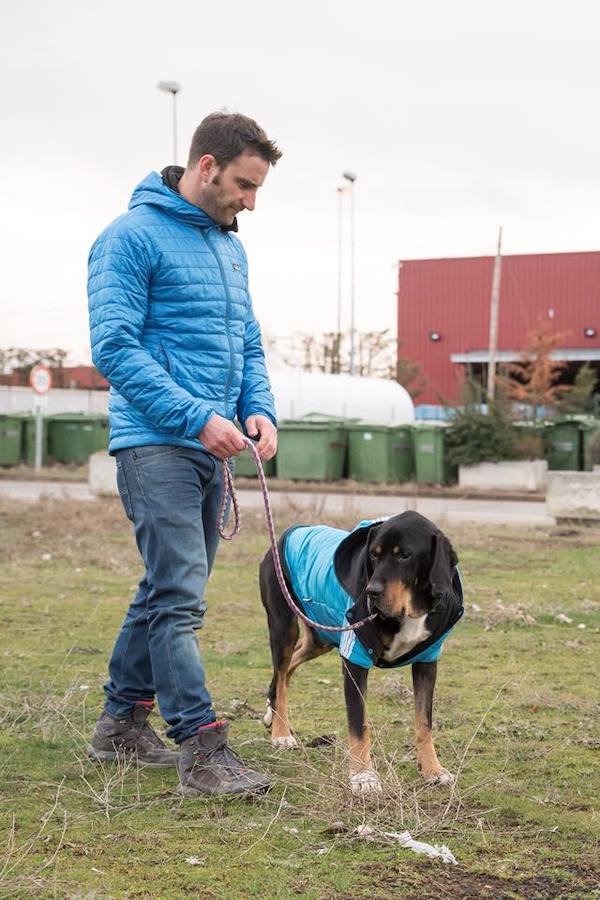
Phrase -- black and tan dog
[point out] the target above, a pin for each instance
(402, 570)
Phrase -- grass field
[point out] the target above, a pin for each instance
(516, 716)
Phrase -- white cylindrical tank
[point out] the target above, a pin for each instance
(377, 401)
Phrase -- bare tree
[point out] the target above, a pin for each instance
(376, 356)
(409, 374)
(23, 359)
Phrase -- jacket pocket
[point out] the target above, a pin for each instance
(123, 489)
(163, 358)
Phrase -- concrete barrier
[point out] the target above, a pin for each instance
(102, 478)
(573, 495)
(513, 475)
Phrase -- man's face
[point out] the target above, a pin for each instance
(231, 188)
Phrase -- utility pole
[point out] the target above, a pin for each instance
(494, 305)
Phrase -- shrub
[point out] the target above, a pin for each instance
(475, 437)
(529, 444)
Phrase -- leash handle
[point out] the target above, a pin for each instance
(230, 492)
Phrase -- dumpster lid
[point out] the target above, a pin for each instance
(78, 417)
(366, 426)
(303, 425)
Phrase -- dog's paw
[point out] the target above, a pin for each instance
(441, 777)
(287, 742)
(365, 783)
(268, 716)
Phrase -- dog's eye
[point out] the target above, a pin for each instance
(404, 555)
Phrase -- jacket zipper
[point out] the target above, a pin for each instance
(215, 253)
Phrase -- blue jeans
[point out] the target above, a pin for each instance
(172, 496)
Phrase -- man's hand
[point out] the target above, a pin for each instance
(262, 427)
(222, 438)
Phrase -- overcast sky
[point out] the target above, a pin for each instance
(456, 116)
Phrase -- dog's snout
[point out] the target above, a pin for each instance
(375, 590)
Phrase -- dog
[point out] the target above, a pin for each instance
(401, 570)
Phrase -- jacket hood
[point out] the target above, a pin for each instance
(154, 191)
(353, 565)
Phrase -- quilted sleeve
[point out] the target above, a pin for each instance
(118, 280)
(255, 392)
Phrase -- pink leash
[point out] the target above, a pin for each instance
(229, 491)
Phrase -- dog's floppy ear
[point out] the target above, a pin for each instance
(443, 562)
(352, 562)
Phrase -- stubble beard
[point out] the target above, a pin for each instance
(221, 215)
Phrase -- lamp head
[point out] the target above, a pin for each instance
(170, 87)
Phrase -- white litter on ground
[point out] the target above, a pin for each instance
(406, 841)
(195, 860)
(564, 620)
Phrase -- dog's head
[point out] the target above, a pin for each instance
(407, 566)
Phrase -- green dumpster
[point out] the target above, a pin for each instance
(431, 461)
(589, 429)
(403, 452)
(379, 453)
(564, 445)
(10, 440)
(311, 451)
(73, 437)
(28, 440)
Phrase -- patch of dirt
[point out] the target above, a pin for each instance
(393, 687)
(452, 882)
(501, 613)
(65, 529)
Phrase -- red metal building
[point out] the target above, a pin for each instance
(444, 313)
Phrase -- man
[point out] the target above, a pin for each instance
(172, 329)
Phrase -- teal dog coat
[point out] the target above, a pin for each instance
(325, 567)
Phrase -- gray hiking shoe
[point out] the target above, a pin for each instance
(208, 765)
(130, 737)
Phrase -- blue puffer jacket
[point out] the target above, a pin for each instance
(171, 322)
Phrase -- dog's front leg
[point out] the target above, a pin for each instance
(363, 778)
(424, 675)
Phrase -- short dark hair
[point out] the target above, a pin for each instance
(227, 135)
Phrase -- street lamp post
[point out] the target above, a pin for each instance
(351, 177)
(173, 88)
(340, 191)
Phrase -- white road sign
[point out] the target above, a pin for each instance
(40, 379)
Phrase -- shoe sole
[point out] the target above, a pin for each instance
(113, 757)
(194, 792)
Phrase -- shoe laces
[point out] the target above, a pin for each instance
(224, 756)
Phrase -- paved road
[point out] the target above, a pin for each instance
(30, 491)
(354, 506)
